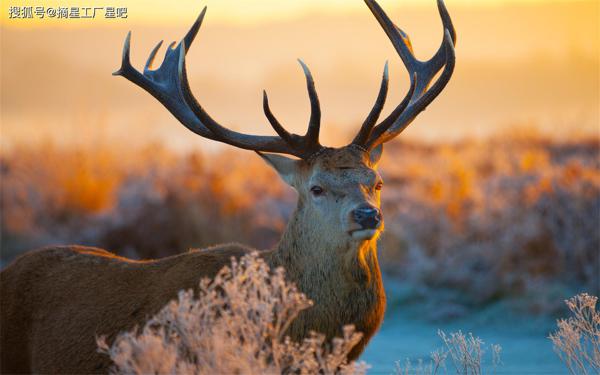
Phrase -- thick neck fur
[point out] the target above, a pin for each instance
(310, 257)
(343, 280)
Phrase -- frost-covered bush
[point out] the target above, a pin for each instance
(465, 351)
(235, 325)
(577, 340)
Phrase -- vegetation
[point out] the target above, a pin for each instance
(466, 354)
(236, 325)
(577, 340)
(511, 218)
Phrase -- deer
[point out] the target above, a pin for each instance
(57, 300)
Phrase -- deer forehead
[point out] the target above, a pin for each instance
(345, 179)
(349, 157)
(342, 168)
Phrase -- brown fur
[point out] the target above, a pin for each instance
(56, 301)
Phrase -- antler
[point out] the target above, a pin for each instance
(169, 85)
(420, 95)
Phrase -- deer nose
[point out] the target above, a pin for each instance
(368, 217)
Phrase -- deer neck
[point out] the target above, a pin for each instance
(342, 279)
(316, 264)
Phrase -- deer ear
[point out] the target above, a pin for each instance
(286, 167)
(375, 154)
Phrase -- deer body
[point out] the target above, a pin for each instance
(55, 302)
(53, 328)
(75, 294)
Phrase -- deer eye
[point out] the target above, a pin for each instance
(379, 186)
(316, 190)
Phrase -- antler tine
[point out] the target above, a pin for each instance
(389, 121)
(439, 59)
(421, 73)
(152, 56)
(395, 126)
(125, 60)
(367, 127)
(188, 39)
(399, 39)
(314, 124)
(274, 122)
(309, 143)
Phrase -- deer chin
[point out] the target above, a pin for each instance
(364, 234)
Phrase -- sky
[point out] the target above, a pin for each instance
(222, 11)
(526, 64)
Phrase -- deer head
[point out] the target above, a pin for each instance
(338, 187)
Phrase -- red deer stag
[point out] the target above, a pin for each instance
(56, 301)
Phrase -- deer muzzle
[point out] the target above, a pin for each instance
(368, 217)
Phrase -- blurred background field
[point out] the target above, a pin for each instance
(483, 221)
(491, 198)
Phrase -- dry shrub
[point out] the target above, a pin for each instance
(465, 351)
(236, 325)
(577, 340)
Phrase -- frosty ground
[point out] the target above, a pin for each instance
(404, 335)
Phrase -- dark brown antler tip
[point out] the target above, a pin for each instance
(365, 131)
(191, 34)
(279, 129)
(314, 124)
(152, 56)
(446, 20)
(125, 63)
